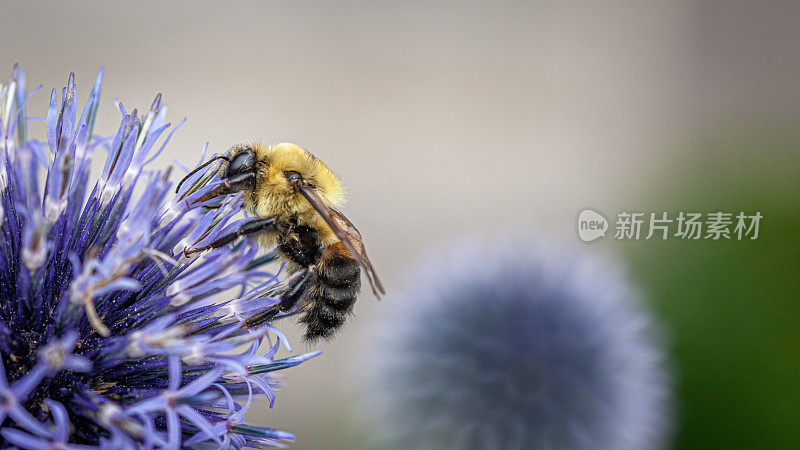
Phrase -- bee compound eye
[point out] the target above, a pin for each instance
(291, 175)
(242, 162)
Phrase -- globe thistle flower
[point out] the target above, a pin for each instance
(109, 335)
(517, 346)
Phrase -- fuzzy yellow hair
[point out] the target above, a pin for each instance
(273, 196)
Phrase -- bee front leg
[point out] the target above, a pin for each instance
(254, 226)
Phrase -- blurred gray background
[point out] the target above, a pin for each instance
(440, 118)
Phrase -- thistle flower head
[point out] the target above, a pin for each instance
(109, 334)
(522, 346)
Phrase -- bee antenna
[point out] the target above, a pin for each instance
(199, 168)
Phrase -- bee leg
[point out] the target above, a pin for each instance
(254, 226)
(229, 186)
(289, 298)
(295, 290)
(262, 317)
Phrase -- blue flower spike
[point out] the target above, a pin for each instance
(110, 337)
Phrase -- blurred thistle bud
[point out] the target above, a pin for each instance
(519, 345)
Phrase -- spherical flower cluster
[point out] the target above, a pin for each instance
(110, 335)
(518, 345)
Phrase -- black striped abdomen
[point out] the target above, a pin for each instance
(331, 299)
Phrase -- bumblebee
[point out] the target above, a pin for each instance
(294, 197)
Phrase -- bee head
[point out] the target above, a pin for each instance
(271, 174)
(240, 163)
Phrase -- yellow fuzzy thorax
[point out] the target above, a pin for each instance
(274, 196)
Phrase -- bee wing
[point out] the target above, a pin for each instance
(344, 230)
(354, 238)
